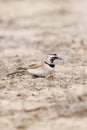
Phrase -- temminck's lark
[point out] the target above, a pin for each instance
(41, 68)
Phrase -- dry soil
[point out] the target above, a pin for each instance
(29, 29)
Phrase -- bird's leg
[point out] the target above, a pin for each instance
(49, 77)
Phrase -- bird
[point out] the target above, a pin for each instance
(41, 68)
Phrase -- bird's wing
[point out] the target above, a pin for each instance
(35, 64)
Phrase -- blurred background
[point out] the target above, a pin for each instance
(57, 22)
(48, 21)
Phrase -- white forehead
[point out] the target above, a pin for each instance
(52, 55)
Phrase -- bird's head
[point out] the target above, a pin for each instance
(53, 57)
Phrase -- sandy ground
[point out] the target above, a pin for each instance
(29, 28)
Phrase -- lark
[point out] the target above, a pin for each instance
(41, 68)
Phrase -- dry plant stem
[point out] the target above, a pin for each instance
(16, 72)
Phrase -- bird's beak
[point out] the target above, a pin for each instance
(59, 58)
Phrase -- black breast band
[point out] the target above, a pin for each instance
(51, 65)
